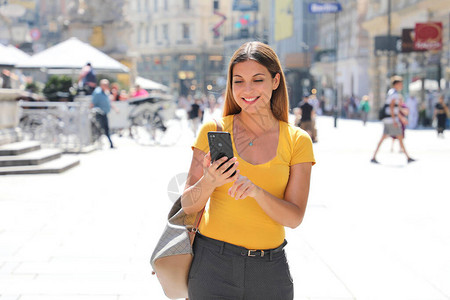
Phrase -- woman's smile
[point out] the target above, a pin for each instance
(250, 100)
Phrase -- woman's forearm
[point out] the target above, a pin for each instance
(281, 211)
(194, 198)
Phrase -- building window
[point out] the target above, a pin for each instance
(187, 62)
(216, 5)
(166, 62)
(187, 4)
(166, 5)
(155, 5)
(215, 62)
(186, 34)
(165, 30)
(139, 35)
(147, 34)
(146, 5)
(156, 33)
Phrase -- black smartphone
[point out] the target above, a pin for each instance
(220, 145)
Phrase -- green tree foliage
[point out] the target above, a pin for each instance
(57, 88)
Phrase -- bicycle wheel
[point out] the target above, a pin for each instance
(149, 129)
(28, 124)
(143, 129)
(172, 133)
(50, 132)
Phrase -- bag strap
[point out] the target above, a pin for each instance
(218, 126)
(199, 216)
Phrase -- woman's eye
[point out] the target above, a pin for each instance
(236, 82)
(259, 80)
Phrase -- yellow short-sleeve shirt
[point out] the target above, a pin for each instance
(243, 222)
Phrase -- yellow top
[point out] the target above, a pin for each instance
(243, 222)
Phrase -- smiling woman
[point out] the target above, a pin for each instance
(253, 84)
(240, 246)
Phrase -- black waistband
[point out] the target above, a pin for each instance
(224, 247)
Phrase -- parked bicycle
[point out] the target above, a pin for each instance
(154, 121)
(43, 126)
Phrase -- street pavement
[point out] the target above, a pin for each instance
(371, 232)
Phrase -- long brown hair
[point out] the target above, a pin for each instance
(263, 54)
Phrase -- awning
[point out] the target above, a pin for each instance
(150, 84)
(73, 54)
(10, 55)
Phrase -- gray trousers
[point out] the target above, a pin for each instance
(224, 271)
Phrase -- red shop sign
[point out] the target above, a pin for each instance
(428, 36)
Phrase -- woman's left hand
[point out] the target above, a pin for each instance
(243, 188)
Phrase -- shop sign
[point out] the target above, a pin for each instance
(35, 34)
(324, 8)
(245, 5)
(387, 44)
(428, 36)
(408, 37)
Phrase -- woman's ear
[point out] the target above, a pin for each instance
(276, 81)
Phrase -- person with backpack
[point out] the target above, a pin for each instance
(391, 121)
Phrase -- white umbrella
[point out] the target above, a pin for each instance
(10, 55)
(150, 84)
(73, 54)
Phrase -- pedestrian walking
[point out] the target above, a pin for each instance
(239, 252)
(87, 81)
(392, 125)
(100, 99)
(441, 113)
(195, 114)
(364, 108)
(413, 117)
(211, 110)
(403, 114)
(307, 121)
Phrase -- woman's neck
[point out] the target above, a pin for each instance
(258, 123)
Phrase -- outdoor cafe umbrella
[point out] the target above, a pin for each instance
(10, 55)
(72, 54)
(150, 84)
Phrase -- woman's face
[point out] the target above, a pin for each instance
(252, 86)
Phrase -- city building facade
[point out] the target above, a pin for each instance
(247, 21)
(343, 74)
(293, 35)
(424, 71)
(35, 25)
(180, 43)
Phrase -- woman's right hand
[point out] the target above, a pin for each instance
(215, 176)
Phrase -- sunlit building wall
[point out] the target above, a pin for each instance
(293, 34)
(348, 71)
(246, 21)
(427, 66)
(175, 44)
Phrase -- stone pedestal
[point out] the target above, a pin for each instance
(9, 116)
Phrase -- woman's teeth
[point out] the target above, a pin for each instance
(250, 99)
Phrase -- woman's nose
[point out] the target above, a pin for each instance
(248, 87)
